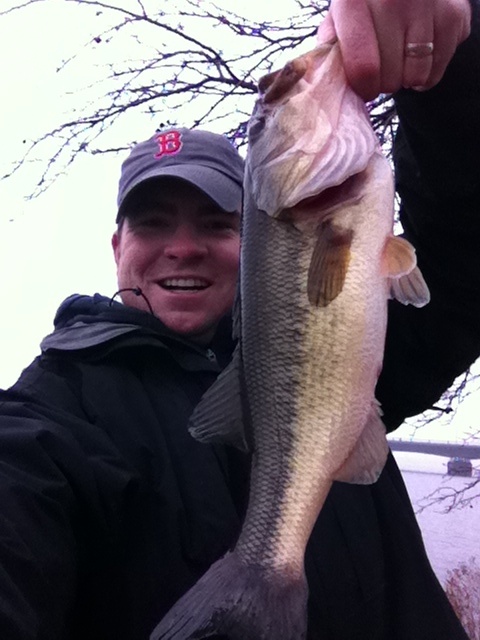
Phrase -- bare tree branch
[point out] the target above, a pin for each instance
(179, 70)
(193, 64)
(17, 7)
(450, 497)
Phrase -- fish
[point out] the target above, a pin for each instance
(319, 262)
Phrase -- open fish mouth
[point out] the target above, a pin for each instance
(313, 209)
(347, 191)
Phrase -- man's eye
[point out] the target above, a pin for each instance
(216, 224)
(221, 224)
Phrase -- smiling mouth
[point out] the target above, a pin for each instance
(184, 284)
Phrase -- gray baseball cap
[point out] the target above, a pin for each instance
(207, 160)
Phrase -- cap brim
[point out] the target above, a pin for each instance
(220, 188)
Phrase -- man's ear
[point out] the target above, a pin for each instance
(116, 245)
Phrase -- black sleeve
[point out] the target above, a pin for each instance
(37, 550)
(44, 483)
(437, 167)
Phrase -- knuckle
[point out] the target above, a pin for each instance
(366, 72)
(362, 71)
(365, 80)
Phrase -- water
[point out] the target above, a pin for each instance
(451, 535)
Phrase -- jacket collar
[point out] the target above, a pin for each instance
(83, 322)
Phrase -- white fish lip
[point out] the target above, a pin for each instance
(184, 283)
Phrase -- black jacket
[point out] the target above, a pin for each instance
(110, 510)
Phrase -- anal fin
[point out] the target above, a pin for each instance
(368, 457)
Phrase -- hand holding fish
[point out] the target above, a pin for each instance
(390, 45)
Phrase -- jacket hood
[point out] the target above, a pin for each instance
(84, 321)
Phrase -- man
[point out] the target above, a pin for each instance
(180, 240)
(97, 444)
(110, 509)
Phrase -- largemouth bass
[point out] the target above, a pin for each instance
(319, 261)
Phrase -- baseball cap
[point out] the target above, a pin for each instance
(206, 160)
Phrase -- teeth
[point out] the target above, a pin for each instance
(184, 283)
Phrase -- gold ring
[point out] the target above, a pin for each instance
(418, 49)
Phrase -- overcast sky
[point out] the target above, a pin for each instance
(59, 243)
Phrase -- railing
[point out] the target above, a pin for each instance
(446, 449)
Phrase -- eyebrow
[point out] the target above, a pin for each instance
(210, 208)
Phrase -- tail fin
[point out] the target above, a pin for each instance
(237, 601)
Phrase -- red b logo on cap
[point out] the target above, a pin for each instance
(168, 143)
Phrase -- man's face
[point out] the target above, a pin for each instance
(182, 251)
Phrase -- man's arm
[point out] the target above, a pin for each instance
(437, 160)
(37, 545)
(48, 496)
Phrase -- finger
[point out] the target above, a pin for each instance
(467, 23)
(358, 43)
(419, 54)
(451, 28)
(460, 13)
(390, 36)
(326, 30)
(445, 49)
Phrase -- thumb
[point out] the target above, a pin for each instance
(326, 30)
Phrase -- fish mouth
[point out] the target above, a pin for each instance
(325, 141)
(347, 192)
(184, 284)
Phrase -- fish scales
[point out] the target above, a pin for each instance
(318, 264)
(315, 373)
(272, 412)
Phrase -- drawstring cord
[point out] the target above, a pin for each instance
(137, 291)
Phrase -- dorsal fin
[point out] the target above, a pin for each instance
(219, 416)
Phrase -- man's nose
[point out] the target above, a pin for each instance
(185, 243)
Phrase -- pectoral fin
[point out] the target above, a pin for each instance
(398, 257)
(329, 264)
(219, 416)
(369, 455)
(410, 289)
(400, 266)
